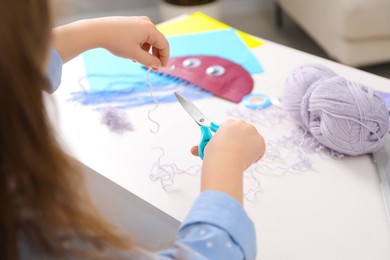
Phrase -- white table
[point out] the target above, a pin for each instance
(334, 211)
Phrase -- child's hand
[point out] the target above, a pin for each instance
(127, 37)
(132, 38)
(237, 140)
(260, 145)
(234, 147)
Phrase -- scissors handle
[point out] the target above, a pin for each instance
(205, 137)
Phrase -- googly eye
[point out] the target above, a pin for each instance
(215, 71)
(191, 63)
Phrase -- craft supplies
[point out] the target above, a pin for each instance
(345, 116)
(116, 120)
(206, 126)
(165, 172)
(300, 80)
(256, 101)
(155, 103)
(222, 77)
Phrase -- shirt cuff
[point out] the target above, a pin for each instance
(221, 210)
(55, 70)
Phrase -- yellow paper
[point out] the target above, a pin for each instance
(199, 22)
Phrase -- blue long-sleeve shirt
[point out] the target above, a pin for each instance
(216, 227)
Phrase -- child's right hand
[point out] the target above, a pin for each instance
(235, 147)
(238, 138)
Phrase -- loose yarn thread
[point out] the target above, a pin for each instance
(116, 120)
(288, 154)
(344, 116)
(263, 117)
(154, 100)
(166, 172)
(155, 103)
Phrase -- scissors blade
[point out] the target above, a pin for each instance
(192, 110)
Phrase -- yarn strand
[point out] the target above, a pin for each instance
(155, 104)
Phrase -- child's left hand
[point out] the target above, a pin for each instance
(133, 38)
(127, 37)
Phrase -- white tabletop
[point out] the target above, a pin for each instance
(333, 211)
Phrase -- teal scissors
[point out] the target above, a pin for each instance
(206, 126)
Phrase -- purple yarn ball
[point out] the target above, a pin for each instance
(345, 116)
(297, 84)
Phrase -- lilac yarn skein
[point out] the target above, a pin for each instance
(345, 116)
(301, 79)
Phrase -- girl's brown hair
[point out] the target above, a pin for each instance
(41, 200)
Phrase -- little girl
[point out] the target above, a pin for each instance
(45, 212)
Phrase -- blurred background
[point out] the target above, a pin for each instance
(268, 19)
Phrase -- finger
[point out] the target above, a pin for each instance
(158, 41)
(195, 150)
(146, 47)
(259, 158)
(147, 59)
(163, 55)
(262, 152)
(146, 18)
(156, 53)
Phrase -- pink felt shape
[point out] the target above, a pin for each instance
(233, 84)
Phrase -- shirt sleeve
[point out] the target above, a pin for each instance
(55, 70)
(216, 227)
